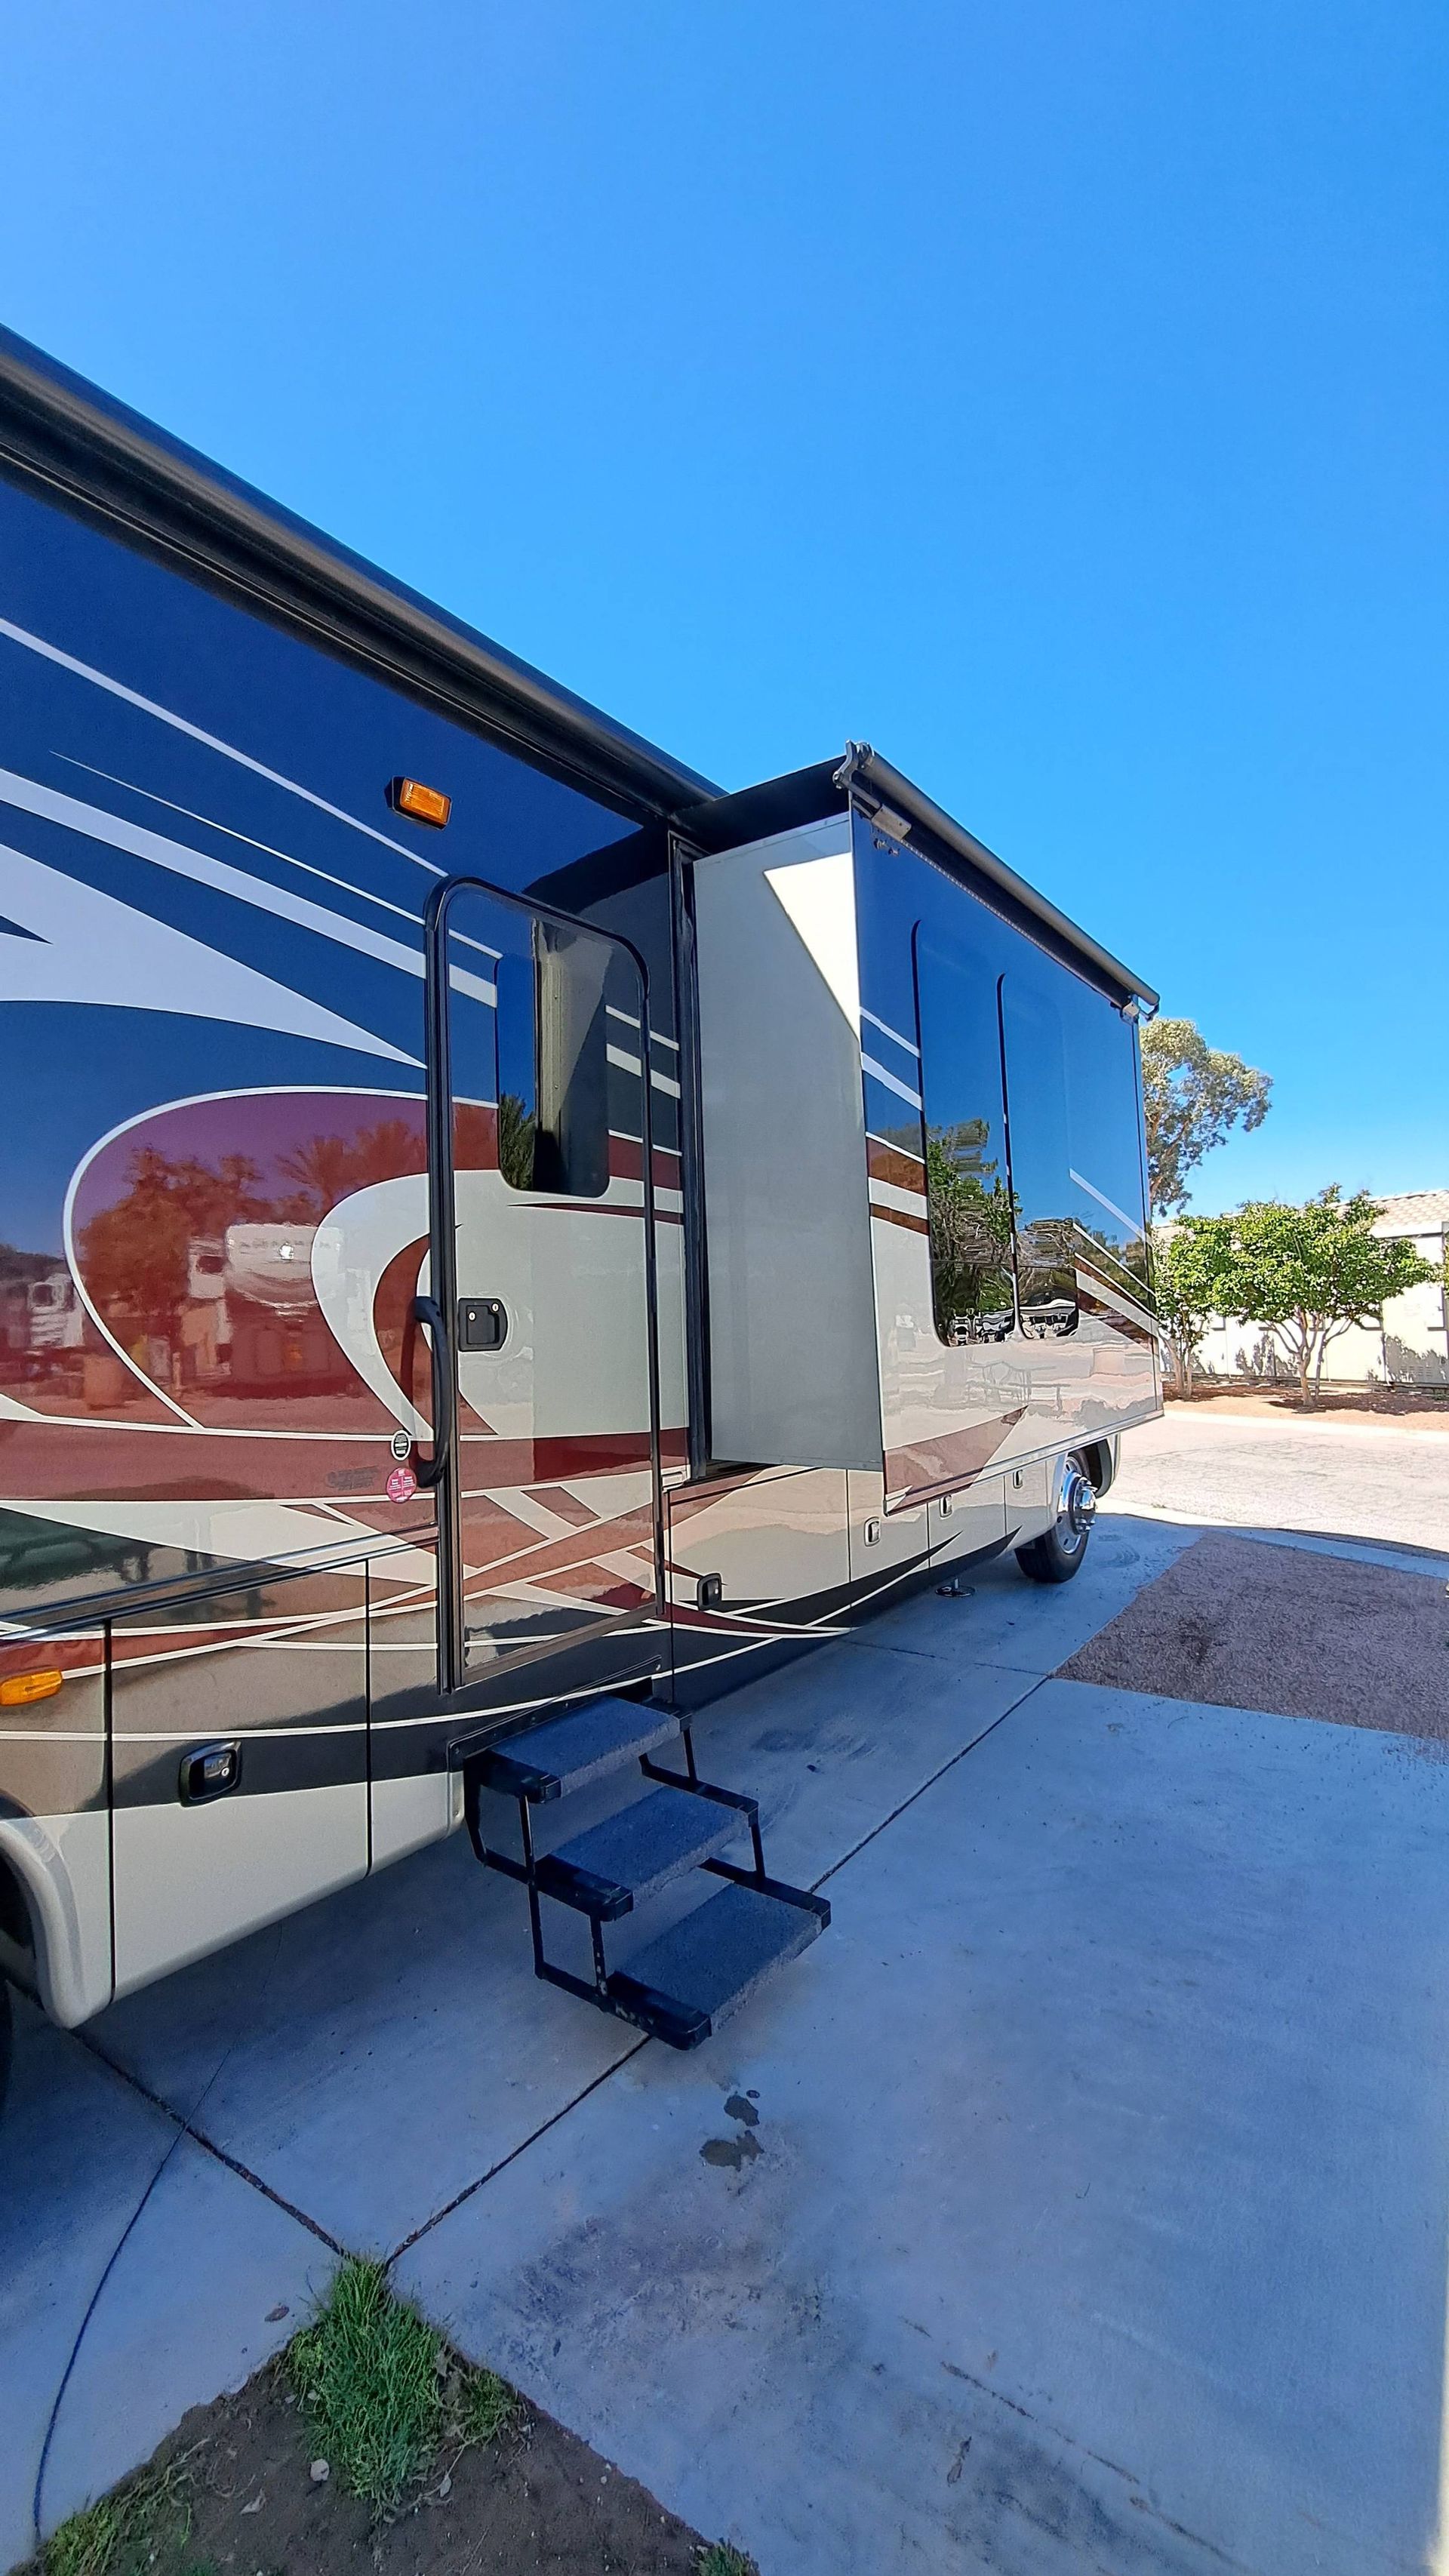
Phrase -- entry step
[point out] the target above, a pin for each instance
(566, 1753)
(614, 1866)
(682, 1986)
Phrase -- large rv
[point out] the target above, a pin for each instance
(499, 1240)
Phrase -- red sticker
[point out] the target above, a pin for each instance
(402, 1484)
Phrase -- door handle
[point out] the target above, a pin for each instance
(211, 1771)
(482, 1323)
(429, 1313)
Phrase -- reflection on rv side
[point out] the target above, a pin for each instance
(787, 1144)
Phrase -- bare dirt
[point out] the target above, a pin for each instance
(1242, 1624)
(237, 2498)
(1379, 1406)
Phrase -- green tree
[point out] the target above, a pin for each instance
(1193, 1095)
(1310, 1273)
(970, 1219)
(1193, 1270)
(134, 1253)
(517, 1140)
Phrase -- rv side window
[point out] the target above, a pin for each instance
(1040, 1158)
(967, 1197)
(553, 1064)
(1106, 1145)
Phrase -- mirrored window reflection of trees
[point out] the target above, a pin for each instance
(967, 1192)
(1033, 1145)
(201, 1264)
(1034, 1048)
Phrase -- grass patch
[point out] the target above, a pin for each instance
(142, 2530)
(721, 2560)
(381, 2393)
(366, 2373)
(485, 2407)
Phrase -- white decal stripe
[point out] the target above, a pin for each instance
(887, 1031)
(892, 1081)
(909, 1202)
(656, 1036)
(213, 742)
(324, 876)
(95, 823)
(88, 946)
(1113, 1298)
(249, 1533)
(631, 1064)
(1132, 1222)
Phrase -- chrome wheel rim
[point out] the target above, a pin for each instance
(1076, 1510)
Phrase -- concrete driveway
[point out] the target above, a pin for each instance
(1097, 2209)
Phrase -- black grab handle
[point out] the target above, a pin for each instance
(430, 1471)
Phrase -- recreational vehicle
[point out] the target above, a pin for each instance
(501, 1239)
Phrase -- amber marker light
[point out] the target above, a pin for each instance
(21, 1690)
(425, 804)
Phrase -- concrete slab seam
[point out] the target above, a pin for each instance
(209, 2146)
(470, 2189)
(1036, 1683)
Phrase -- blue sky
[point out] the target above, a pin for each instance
(1055, 396)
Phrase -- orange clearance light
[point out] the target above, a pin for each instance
(425, 804)
(20, 1690)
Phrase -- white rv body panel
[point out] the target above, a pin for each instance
(189, 1880)
(881, 1542)
(791, 1331)
(63, 1864)
(771, 1538)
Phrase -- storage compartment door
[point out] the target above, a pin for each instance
(239, 1746)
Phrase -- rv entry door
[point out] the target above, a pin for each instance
(539, 1302)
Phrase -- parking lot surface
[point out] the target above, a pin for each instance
(1094, 2209)
(1217, 1469)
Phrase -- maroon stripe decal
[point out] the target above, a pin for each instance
(888, 1163)
(921, 1468)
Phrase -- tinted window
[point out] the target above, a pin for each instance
(1105, 1169)
(967, 1195)
(1040, 1157)
(553, 1065)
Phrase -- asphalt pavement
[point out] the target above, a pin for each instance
(1212, 1470)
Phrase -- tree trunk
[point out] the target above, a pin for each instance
(1304, 1397)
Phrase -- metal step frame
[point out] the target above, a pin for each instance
(515, 1769)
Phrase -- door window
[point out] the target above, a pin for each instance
(553, 1064)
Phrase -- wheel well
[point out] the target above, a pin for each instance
(15, 1923)
(1097, 1459)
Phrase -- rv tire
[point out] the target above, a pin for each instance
(1057, 1555)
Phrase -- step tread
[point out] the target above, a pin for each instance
(685, 1982)
(631, 1855)
(566, 1753)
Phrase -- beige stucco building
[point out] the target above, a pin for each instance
(1411, 1350)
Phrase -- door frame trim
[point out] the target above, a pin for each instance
(443, 1245)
